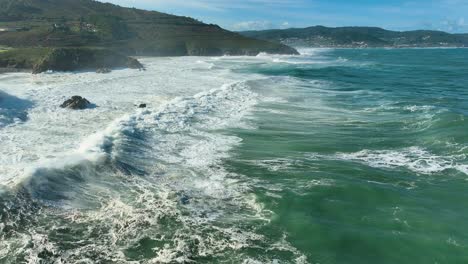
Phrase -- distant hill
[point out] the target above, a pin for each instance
(88, 23)
(320, 36)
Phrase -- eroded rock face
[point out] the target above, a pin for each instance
(76, 103)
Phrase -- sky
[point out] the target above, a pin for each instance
(445, 15)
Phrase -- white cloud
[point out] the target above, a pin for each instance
(285, 24)
(252, 25)
(258, 25)
(454, 25)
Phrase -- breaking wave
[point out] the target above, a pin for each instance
(13, 109)
(120, 192)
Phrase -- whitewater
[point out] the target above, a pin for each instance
(317, 158)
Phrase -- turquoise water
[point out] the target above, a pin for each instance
(366, 159)
(334, 156)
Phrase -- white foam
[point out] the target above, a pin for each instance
(416, 159)
(407, 108)
(214, 109)
(418, 108)
(206, 64)
(51, 133)
(181, 134)
(313, 51)
(279, 164)
(309, 57)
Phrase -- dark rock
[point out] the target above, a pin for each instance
(185, 199)
(103, 70)
(76, 103)
(142, 106)
(134, 64)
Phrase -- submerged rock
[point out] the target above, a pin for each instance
(76, 103)
(142, 106)
(185, 199)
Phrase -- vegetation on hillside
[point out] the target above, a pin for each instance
(88, 23)
(320, 36)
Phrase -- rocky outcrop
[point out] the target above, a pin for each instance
(134, 64)
(103, 70)
(65, 59)
(76, 103)
(72, 59)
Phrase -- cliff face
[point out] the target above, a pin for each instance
(40, 60)
(320, 36)
(86, 59)
(79, 23)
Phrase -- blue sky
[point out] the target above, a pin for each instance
(446, 15)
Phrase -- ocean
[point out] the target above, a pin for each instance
(333, 156)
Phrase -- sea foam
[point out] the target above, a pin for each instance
(415, 159)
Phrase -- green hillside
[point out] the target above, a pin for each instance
(320, 36)
(88, 23)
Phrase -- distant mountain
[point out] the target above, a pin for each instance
(88, 23)
(320, 36)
